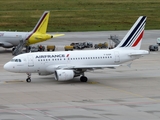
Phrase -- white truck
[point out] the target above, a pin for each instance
(158, 41)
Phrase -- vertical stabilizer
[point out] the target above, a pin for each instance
(42, 24)
(134, 36)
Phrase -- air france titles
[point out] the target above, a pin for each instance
(50, 56)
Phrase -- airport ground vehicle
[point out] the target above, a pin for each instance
(51, 47)
(68, 47)
(37, 48)
(158, 41)
(88, 44)
(153, 48)
(41, 48)
(101, 45)
(77, 45)
(82, 45)
(34, 49)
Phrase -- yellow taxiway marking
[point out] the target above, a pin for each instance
(14, 81)
(92, 82)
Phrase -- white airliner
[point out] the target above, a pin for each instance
(65, 65)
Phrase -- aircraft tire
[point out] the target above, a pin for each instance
(28, 80)
(83, 79)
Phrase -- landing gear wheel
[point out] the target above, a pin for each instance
(83, 79)
(28, 80)
(13, 49)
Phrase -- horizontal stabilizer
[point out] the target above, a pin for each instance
(141, 52)
(57, 35)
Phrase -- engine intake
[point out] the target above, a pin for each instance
(64, 75)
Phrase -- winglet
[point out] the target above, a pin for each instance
(134, 36)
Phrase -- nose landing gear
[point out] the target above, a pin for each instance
(28, 78)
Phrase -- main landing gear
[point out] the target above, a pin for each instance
(83, 79)
(28, 78)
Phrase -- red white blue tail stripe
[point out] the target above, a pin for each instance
(134, 36)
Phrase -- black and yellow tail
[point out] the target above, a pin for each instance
(42, 24)
(38, 34)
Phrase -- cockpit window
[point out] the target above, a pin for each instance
(16, 60)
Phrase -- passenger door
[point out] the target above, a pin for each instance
(30, 61)
(117, 57)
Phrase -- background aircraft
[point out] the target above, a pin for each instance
(18, 40)
(66, 65)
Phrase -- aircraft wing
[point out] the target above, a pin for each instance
(52, 68)
(57, 35)
(95, 66)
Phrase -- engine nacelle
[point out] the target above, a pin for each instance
(6, 45)
(64, 75)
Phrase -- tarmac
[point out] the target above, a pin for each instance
(124, 93)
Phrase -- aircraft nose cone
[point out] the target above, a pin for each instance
(7, 67)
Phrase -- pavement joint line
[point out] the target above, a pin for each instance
(133, 94)
(25, 115)
(73, 106)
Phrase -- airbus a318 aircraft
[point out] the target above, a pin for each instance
(65, 65)
(38, 34)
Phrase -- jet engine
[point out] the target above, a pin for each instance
(6, 45)
(64, 75)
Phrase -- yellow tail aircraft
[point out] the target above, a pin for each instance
(20, 39)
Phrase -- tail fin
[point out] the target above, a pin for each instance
(42, 24)
(134, 36)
